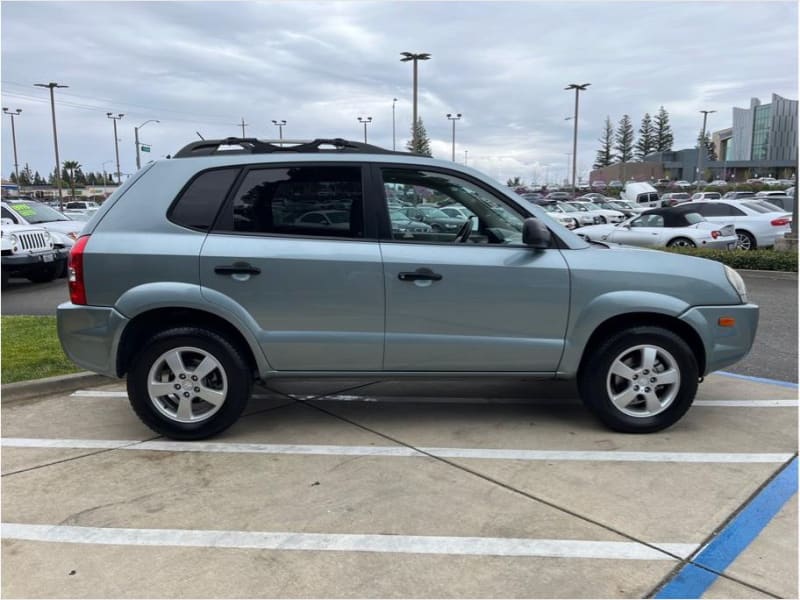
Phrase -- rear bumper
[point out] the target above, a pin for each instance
(724, 345)
(90, 336)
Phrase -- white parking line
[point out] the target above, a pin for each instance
(343, 542)
(546, 401)
(403, 451)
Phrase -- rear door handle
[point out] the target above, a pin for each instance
(237, 268)
(419, 275)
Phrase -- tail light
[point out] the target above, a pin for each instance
(77, 287)
(780, 222)
(715, 234)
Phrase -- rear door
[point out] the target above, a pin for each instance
(314, 287)
(482, 302)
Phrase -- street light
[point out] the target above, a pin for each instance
(280, 125)
(116, 142)
(366, 122)
(14, 138)
(136, 136)
(410, 56)
(578, 88)
(454, 119)
(394, 143)
(52, 85)
(701, 145)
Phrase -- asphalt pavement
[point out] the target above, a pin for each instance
(774, 353)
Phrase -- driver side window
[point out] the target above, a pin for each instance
(441, 208)
(648, 221)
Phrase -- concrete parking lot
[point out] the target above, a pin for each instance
(370, 493)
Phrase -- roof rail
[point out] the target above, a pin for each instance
(256, 146)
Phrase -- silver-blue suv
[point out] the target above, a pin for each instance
(239, 259)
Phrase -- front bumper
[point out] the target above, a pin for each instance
(90, 336)
(23, 261)
(724, 345)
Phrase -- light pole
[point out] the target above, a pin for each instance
(243, 126)
(578, 88)
(14, 138)
(53, 85)
(701, 143)
(394, 137)
(136, 136)
(410, 56)
(105, 176)
(366, 122)
(280, 125)
(454, 119)
(466, 152)
(116, 142)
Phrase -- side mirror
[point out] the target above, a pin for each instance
(535, 234)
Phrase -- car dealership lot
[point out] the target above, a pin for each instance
(378, 494)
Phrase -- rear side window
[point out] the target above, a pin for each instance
(198, 204)
(307, 201)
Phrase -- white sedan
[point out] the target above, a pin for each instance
(757, 222)
(665, 227)
(604, 215)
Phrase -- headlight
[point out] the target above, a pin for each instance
(737, 282)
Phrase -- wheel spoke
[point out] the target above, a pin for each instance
(211, 396)
(622, 370)
(623, 399)
(668, 377)
(173, 359)
(648, 358)
(653, 403)
(205, 367)
(185, 408)
(159, 388)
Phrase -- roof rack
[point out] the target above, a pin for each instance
(256, 146)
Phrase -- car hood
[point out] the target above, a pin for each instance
(63, 226)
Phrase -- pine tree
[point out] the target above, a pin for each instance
(26, 176)
(37, 179)
(516, 182)
(705, 142)
(605, 155)
(91, 179)
(623, 139)
(13, 178)
(423, 145)
(663, 131)
(647, 138)
(80, 177)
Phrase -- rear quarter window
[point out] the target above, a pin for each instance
(198, 203)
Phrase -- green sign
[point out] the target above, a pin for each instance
(145, 148)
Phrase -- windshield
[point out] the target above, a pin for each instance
(396, 215)
(567, 208)
(578, 206)
(33, 212)
(551, 208)
(433, 212)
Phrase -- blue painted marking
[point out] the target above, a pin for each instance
(788, 384)
(692, 581)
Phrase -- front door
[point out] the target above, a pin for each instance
(461, 300)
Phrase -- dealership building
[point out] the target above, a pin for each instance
(761, 142)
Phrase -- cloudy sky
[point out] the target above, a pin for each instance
(202, 66)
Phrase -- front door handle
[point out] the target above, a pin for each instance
(419, 275)
(237, 268)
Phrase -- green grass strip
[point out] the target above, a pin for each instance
(31, 350)
(762, 260)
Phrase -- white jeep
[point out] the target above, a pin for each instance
(30, 251)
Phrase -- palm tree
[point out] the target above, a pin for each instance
(72, 166)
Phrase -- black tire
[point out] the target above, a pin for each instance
(595, 380)
(681, 242)
(232, 375)
(745, 241)
(45, 274)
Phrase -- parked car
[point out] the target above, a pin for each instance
(598, 184)
(458, 212)
(668, 227)
(718, 183)
(402, 224)
(737, 195)
(214, 286)
(706, 196)
(674, 198)
(769, 193)
(681, 184)
(758, 224)
(581, 217)
(559, 196)
(570, 220)
(598, 213)
(29, 212)
(438, 220)
(640, 193)
(81, 205)
(615, 183)
(629, 209)
(29, 251)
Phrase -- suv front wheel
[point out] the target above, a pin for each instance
(640, 380)
(189, 383)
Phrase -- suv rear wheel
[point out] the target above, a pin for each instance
(641, 380)
(189, 383)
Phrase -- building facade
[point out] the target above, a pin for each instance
(763, 132)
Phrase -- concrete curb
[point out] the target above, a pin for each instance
(22, 390)
(769, 274)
